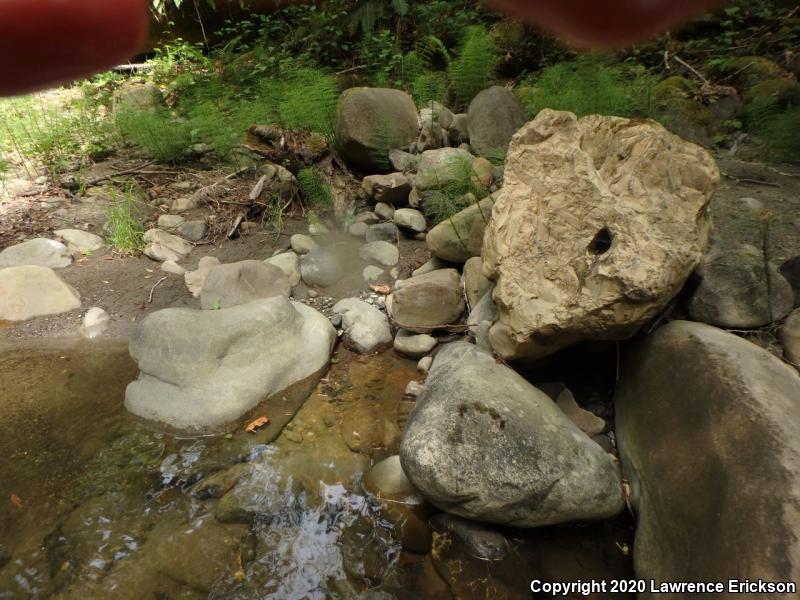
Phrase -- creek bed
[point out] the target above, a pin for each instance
(96, 504)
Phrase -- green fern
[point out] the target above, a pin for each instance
(473, 69)
(459, 190)
(313, 187)
(309, 101)
(589, 85)
(157, 133)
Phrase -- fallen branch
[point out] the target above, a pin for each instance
(131, 171)
(752, 181)
(204, 193)
(153, 289)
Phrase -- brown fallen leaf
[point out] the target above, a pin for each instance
(258, 423)
(16, 501)
(381, 289)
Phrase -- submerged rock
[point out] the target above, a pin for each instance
(599, 224)
(95, 322)
(203, 369)
(366, 329)
(325, 266)
(40, 252)
(32, 291)
(484, 444)
(709, 424)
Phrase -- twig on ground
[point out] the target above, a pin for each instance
(752, 181)
(131, 171)
(153, 289)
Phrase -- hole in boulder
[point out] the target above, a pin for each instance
(601, 242)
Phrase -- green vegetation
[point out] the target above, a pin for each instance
(473, 69)
(55, 131)
(287, 68)
(460, 189)
(155, 132)
(589, 85)
(124, 230)
(314, 189)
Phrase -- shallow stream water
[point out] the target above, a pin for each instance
(95, 504)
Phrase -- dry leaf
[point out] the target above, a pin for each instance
(258, 423)
(16, 501)
(381, 289)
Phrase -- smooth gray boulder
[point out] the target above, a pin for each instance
(40, 252)
(431, 265)
(427, 302)
(194, 231)
(790, 338)
(493, 117)
(460, 237)
(170, 222)
(289, 263)
(382, 232)
(393, 188)
(475, 282)
(242, 282)
(366, 329)
(201, 370)
(410, 218)
(370, 122)
(162, 246)
(302, 243)
(743, 283)
(740, 290)
(382, 253)
(195, 279)
(403, 161)
(484, 444)
(413, 345)
(384, 211)
(708, 423)
(439, 168)
(32, 291)
(79, 241)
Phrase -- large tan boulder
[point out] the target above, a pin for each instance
(372, 121)
(598, 225)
